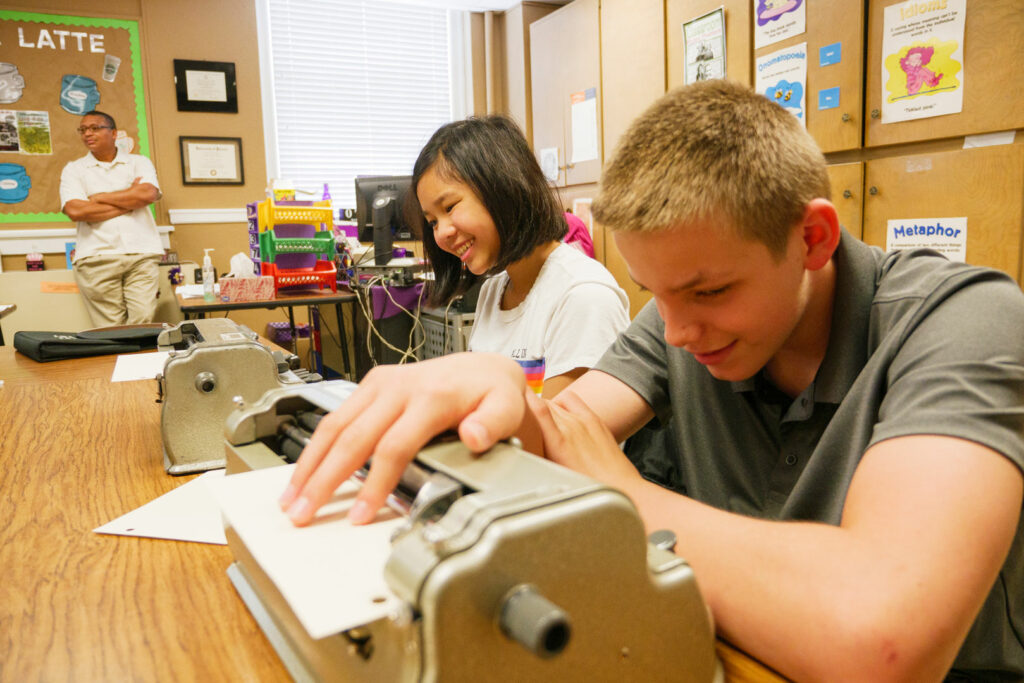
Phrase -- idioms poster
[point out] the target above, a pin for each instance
(782, 78)
(923, 59)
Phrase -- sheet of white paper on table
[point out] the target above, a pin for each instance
(331, 573)
(188, 513)
(135, 366)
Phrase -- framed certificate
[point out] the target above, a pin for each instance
(205, 86)
(211, 161)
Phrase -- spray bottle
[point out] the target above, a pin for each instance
(208, 276)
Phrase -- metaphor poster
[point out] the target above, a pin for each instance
(922, 59)
(947, 236)
(782, 78)
(776, 20)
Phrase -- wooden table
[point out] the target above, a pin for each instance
(79, 451)
(198, 308)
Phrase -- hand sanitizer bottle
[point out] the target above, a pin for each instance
(208, 276)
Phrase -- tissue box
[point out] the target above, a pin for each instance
(259, 288)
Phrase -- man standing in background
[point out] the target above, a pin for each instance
(117, 257)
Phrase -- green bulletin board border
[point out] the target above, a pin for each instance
(130, 25)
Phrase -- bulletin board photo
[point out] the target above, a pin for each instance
(53, 69)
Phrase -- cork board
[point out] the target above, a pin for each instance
(53, 69)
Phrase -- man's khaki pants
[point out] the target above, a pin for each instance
(119, 289)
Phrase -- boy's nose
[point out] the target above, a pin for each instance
(681, 329)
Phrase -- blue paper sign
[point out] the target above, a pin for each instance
(828, 98)
(830, 54)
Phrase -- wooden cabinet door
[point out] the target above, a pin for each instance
(982, 184)
(993, 97)
(546, 65)
(830, 24)
(518, 84)
(847, 182)
(565, 58)
(582, 54)
(633, 63)
(738, 43)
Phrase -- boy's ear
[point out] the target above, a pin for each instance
(821, 232)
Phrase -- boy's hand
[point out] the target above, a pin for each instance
(393, 413)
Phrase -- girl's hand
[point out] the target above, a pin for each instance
(574, 436)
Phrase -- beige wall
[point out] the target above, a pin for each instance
(221, 31)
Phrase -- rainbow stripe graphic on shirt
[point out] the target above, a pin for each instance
(534, 370)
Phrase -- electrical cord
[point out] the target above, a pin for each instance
(365, 303)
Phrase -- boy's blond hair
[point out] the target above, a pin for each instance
(713, 150)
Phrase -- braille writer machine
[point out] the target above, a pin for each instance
(212, 364)
(505, 567)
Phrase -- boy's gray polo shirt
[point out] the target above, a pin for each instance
(918, 345)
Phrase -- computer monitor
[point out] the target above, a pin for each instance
(380, 215)
(385, 197)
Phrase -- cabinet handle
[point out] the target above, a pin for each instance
(875, 113)
(847, 194)
(872, 190)
(846, 117)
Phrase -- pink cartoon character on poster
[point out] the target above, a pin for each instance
(917, 73)
(771, 10)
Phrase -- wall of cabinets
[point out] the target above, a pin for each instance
(633, 50)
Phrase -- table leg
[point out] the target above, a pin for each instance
(343, 340)
(295, 334)
(314, 339)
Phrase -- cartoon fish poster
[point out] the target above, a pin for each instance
(923, 59)
(782, 78)
(776, 20)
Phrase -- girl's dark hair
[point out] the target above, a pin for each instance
(490, 155)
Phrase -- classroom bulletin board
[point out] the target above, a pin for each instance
(53, 69)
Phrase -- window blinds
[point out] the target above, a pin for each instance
(358, 86)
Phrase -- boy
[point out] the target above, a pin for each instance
(847, 424)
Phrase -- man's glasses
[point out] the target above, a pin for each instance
(82, 130)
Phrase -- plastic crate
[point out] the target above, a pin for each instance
(321, 244)
(320, 215)
(322, 275)
(441, 340)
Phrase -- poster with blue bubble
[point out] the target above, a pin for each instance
(782, 78)
(776, 20)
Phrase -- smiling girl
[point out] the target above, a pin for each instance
(486, 210)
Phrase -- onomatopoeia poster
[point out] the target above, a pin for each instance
(782, 78)
(922, 59)
(776, 20)
(948, 236)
